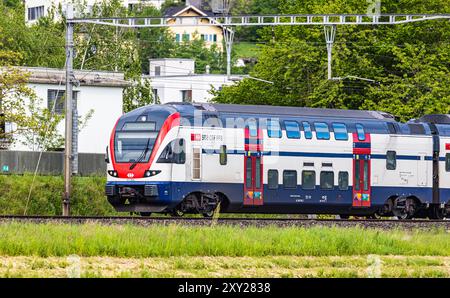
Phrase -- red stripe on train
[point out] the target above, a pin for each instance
(123, 169)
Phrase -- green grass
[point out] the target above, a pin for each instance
(87, 198)
(246, 50)
(276, 266)
(130, 241)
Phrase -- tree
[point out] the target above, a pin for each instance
(409, 63)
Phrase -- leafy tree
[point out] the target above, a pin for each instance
(408, 64)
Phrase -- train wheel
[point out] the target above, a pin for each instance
(437, 213)
(177, 213)
(145, 214)
(115, 200)
(404, 208)
(208, 214)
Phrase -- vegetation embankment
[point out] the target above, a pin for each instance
(88, 196)
(167, 251)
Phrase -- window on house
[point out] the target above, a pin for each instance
(322, 131)
(186, 37)
(157, 70)
(290, 179)
(360, 132)
(447, 162)
(340, 132)
(155, 95)
(186, 95)
(223, 155)
(59, 96)
(326, 180)
(292, 129)
(214, 38)
(273, 128)
(35, 13)
(308, 179)
(177, 37)
(343, 180)
(272, 179)
(307, 129)
(391, 160)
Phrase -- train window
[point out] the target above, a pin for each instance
(223, 155)
(326, 180)
(391, 160)
(343, 180)
(252, 128)
(174, 152)
(360, 131)
(273, 128)
(308, 180)
(340, 132)
(307, 129)
(357, 175)
(258, 172)
(290, 179)
(292, 129)
(447, 162)
(322, 131)
(366, 175)
(248, 169)
(272, 179)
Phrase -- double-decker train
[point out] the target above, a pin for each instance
(191, 158)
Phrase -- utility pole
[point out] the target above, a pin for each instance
(68, 106)
(330, 34)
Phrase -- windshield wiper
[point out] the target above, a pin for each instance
(142, 156)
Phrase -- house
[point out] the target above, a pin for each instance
(95, 92)
(175, 80)
(34, 9)
(212, 35)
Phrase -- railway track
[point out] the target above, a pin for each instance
(241, 222)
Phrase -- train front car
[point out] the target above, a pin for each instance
(135, 181)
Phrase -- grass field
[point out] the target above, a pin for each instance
(100, 250)
(246, 50)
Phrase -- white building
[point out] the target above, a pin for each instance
(99, 93)
(174, 80)
(34, 9)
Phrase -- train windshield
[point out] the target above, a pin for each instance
(134, 146)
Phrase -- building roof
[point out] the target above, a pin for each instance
(41, 75)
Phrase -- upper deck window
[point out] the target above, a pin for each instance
(252, 128)
(340, 132)
(307, 129)
(292, 129)
(273, 128)
(322, 131)
(360, 132)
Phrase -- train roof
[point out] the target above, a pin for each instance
(285, 111)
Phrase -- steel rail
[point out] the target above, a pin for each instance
(241, 221)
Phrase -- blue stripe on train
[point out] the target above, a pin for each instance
(234, 191)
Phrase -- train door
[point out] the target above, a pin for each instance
(253, 166)
(361, 168)
(361, 180)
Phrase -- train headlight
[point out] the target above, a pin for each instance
(113, 173)
(150, 173)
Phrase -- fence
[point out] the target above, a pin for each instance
(20, 162)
